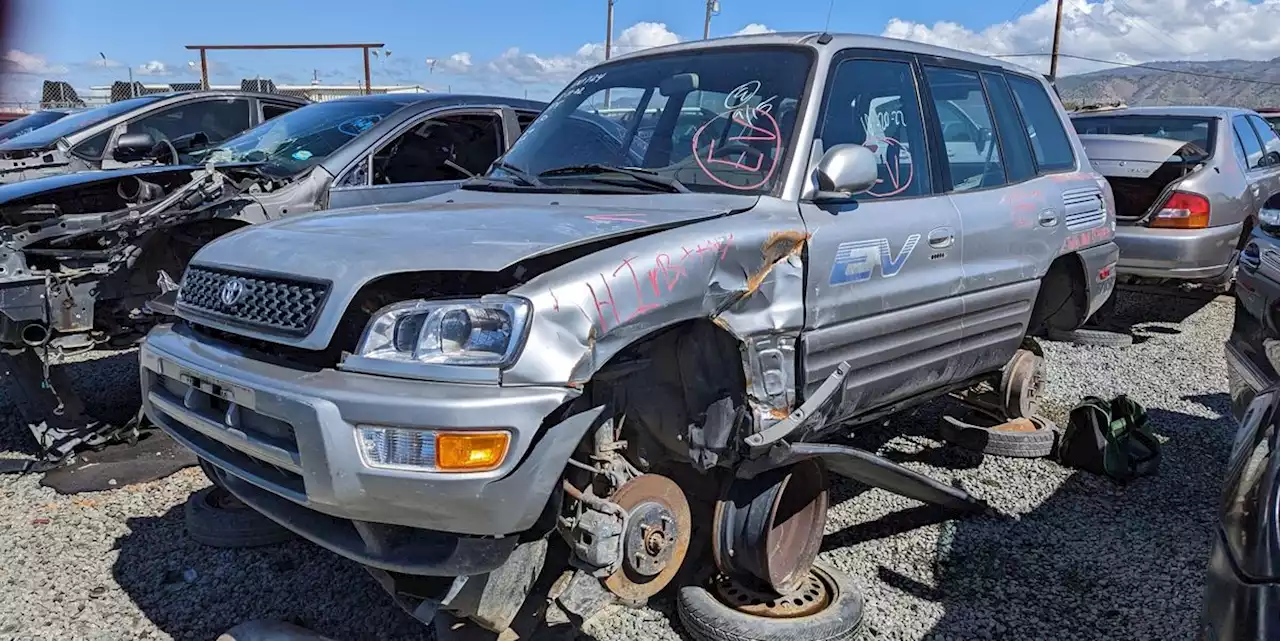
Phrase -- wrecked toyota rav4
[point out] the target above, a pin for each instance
(156, 129)
(92, 258)
(579, 354)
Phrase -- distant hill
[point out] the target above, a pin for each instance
(1139, 86)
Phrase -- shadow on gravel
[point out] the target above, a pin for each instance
(193, 592)
(1096, 560)
(108, 386)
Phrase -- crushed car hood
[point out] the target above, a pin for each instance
(15, 191)
(459, 231)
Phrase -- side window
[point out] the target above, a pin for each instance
(93, 147)
(874, 103)
(1240, 153)
(967, 130)
(442, 148)
(1249, 139)
(1018, 164)
(1270, 141)
(217, 120)
(524, 119)
(271, 110)
(1049, 141)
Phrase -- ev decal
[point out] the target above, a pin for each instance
(856, 260)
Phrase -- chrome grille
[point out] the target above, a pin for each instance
(1085, 208)
(269, 304)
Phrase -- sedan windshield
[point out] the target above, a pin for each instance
(294, 142)
(77, 122)
(1196, 130)
(708, 121)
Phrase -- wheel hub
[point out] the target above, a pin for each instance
(656, 537)
(811, 597)
(649, 540)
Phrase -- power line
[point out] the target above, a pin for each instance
(1139, 66)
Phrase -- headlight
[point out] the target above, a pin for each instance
(487, 331)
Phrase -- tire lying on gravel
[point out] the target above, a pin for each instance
(1093, 337)
(1020, 438)
(706, 618)
(216, 519)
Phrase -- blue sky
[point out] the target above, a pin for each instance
(509, 46)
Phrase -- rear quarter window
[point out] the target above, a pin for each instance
(1049, 141)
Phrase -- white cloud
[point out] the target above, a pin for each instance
(752, 29)
(531, 68)
(457, 63)
(1118, 30)
(104, 63)
(153, 68)
(21, 62)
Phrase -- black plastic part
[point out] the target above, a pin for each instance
(212, 524)
(825, 38)
(387, 547)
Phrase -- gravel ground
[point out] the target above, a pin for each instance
(1082, 558)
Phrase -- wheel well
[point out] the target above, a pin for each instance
(1062, 301)
(1245, 231)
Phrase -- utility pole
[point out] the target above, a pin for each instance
(608, 34)
(1057, 36)
(713, 7)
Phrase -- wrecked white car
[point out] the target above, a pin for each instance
(629, 348)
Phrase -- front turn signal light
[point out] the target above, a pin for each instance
(471, 451)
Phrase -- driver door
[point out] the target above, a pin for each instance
(428, 155)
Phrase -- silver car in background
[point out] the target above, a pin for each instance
(1188, 183)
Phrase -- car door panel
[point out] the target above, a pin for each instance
(884, 270)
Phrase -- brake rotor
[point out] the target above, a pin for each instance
(811, 597)
(656, 538)
(1021, 385)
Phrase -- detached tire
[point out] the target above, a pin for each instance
(1092, 337)
(707, 618)
(218, 520)
(1014, 443)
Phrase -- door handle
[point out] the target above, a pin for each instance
(941, 238)
(1048, 218)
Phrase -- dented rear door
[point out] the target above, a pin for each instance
(883, 270)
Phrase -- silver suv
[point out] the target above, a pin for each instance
(600, 336)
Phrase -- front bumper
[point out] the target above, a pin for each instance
(1183, 254)
(287, 438)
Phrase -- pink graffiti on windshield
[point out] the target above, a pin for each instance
(725, 156)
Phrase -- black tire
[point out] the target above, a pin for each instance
(1092, 337)
(707, 619)
(977, 438)
(210, 523)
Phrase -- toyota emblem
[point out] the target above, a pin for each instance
(232, 291)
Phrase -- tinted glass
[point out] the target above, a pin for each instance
(732, 138)
(93, 147)
(289, 144)
(1196, 130)
(29, 123)
(271, 110)
(218, 120)
(1049, 141)
(1249, 140)
(79, 121)
(874, 103)
(1018, 164)
(973, 155)
(1270, 141)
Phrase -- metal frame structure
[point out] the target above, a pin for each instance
(205, 49)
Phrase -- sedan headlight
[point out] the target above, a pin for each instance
(486, 331)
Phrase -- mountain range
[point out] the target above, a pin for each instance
(1252, 84)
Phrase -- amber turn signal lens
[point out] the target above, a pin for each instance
(470, 451)
(1183, 211)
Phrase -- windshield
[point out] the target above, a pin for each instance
(29, 123)
(715, 120)
(1196, 130)
(296, 141)
(79, 121)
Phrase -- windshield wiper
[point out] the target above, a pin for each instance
(645, 176)
(519, 174)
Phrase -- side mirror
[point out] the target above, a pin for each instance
(844, 171)
(134, 146)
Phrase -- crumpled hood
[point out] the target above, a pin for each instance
(458, 231)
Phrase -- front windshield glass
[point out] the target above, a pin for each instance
(719, 120)
(1196, 130)
(29, 123)
(78, 121)
(294, 142)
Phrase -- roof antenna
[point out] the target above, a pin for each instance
(827, 27)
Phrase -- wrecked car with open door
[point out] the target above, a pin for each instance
(618, 349)
(92, 258)
(156, 129)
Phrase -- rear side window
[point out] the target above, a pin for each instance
(1049, 141)
(1013, 142)
(1249, 140)
(1270, 141)
(973, 155)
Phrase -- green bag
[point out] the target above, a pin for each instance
(1110, 438)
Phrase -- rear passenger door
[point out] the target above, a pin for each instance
(428, 155)
(1263, 160)
(885, 269)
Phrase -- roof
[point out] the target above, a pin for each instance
(229, 92)
(1190, 110)
(444, 99)
(838, 41)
